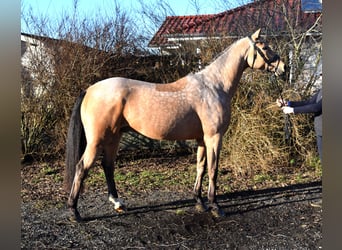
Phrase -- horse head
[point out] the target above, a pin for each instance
(261, 56)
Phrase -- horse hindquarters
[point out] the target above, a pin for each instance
(80, 156)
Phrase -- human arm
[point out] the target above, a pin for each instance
(309, 101)
(311, 105)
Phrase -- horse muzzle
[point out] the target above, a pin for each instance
(279, 68)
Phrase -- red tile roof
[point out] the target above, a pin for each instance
(236, 22)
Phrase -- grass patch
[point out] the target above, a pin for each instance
(261, 178)
(141, 176)
(160, 178)
(178, 173)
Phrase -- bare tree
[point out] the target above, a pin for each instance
(59, 61)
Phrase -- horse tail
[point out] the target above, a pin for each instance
(75, 144)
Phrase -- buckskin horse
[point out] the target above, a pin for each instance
(197, 106)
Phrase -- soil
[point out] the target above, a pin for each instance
(285, 217)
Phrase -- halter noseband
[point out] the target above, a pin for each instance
(267, 60)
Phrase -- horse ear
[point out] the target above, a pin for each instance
(256, 34)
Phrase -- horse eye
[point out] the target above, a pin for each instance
(265, 47)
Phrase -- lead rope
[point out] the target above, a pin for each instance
(287, 120)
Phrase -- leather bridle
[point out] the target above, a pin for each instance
(268, 61)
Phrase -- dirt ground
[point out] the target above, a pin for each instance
(288, 217)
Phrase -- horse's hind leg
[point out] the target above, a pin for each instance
(201, 166)
(82, 169)
(110, 151)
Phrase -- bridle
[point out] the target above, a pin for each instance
(268, 61)
(287, 120)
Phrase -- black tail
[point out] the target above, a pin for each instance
(75, 144)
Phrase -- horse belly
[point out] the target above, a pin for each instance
(163, 123)
(187, 127)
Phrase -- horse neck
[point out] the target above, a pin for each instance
(225, 72)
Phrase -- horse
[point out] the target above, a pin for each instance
(197, 106)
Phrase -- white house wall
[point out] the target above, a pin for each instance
(311, 73)
(37, 67)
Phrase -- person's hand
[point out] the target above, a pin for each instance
(280, 102)
(287, 110)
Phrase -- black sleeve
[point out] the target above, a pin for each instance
(312, 100)
(309, 108)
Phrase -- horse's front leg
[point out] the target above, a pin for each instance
(201, 165)
(213, 147)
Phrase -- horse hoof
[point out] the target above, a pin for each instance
(119, 205)
(201, 208)
(120, 210)
(218, 213)
(75, 217)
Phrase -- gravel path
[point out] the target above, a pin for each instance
(277, 218)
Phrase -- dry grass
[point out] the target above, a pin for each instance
(255, 142)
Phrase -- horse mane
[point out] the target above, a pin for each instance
(214, 69)
(225, 52)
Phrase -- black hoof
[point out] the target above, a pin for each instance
(217, 212)
(201, 208)
(75, 216)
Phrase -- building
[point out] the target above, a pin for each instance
(297, 21)
(35, 59)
